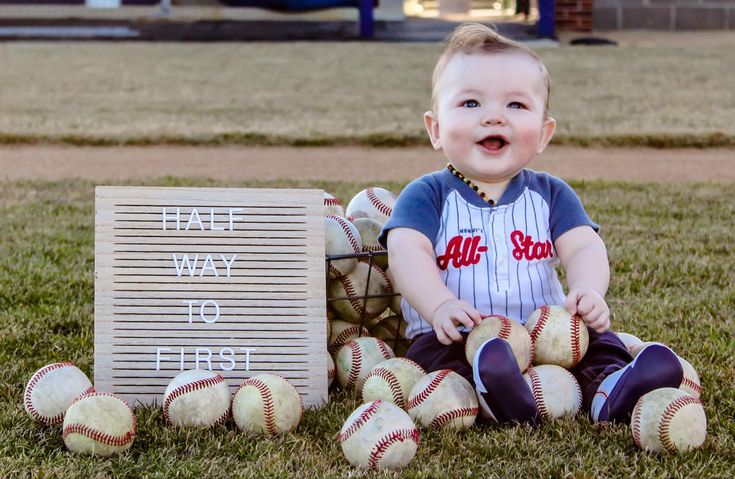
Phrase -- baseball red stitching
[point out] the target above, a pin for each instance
(387, 352)
(359, 306)
(543, 317)
(360, 420)
(504, 327)
(187, 388)
(331, 202)
(97, 435)
(576, 347)
(347, 335)
(348, 232)
(445, 417)
(538, 393)
(382, 446)
(668, 415)
(32, 384)
(267, 399)
(393, 384)
(430, 388)
(378, 203)
(636, 425)
(685, 381)
(356, 356)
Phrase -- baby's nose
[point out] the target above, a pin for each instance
(493, 117)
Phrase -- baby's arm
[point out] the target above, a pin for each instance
(413, 269)
(584, 258)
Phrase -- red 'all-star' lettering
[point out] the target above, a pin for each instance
(526, 247)
(460, 252)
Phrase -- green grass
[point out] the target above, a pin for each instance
(673, 263)
(668, 95)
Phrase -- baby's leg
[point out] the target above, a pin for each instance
(612, 382)
(430, 354)
(605, 355)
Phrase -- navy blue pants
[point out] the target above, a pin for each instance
(605, 355)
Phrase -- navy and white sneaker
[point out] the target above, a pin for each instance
(656, 366)
(500, 385)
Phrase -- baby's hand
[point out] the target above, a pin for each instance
(451, 313)
(591, 306)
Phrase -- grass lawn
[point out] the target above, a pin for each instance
(342, 93)
(673, 263)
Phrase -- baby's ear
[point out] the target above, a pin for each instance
(547, 131)
(432, 127)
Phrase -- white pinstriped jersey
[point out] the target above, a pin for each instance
(499, 258)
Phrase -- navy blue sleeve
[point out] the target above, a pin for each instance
(566, 209)
(418, 207)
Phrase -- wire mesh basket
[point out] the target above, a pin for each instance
(391, 335)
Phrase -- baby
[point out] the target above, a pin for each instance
(484, 236)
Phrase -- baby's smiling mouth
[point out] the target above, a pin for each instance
(493, 142)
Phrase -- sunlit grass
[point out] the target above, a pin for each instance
(672, 257)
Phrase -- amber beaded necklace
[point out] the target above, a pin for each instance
(469, 183)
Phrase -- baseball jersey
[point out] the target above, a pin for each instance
(500, 258)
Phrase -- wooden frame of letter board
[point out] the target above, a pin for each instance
(273, 302)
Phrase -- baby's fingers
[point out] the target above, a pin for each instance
(452, 332)
(442, 337)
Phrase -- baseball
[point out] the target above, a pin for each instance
(379, 435)
(443, 399)
(392, 330)
(630, 342)
(369, 230)
(340, 237)
(668, 419)
(331, 371)
(342, 333)
(392, 381)
(356, 358)
(690, 382)
(504, 328)
(352, 306)
(555, 390)
(267, 404)
(557, 336)
(52, 389)
(332, 206)
(99, 424)
(374, 203)
(196, 398)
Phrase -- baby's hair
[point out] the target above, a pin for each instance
(474, 38)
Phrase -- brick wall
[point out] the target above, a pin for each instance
(574, 15)
(664, 14)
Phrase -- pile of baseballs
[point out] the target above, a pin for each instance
(360, 298)
(551, 341)
(102, 424)
(397, 396)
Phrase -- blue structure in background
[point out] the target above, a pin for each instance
(545, 25)
(367, 21)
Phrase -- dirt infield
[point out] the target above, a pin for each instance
(344, 164)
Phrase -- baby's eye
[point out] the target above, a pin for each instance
(517, 105)
(471, 103)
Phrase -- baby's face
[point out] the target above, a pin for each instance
(489, 117)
